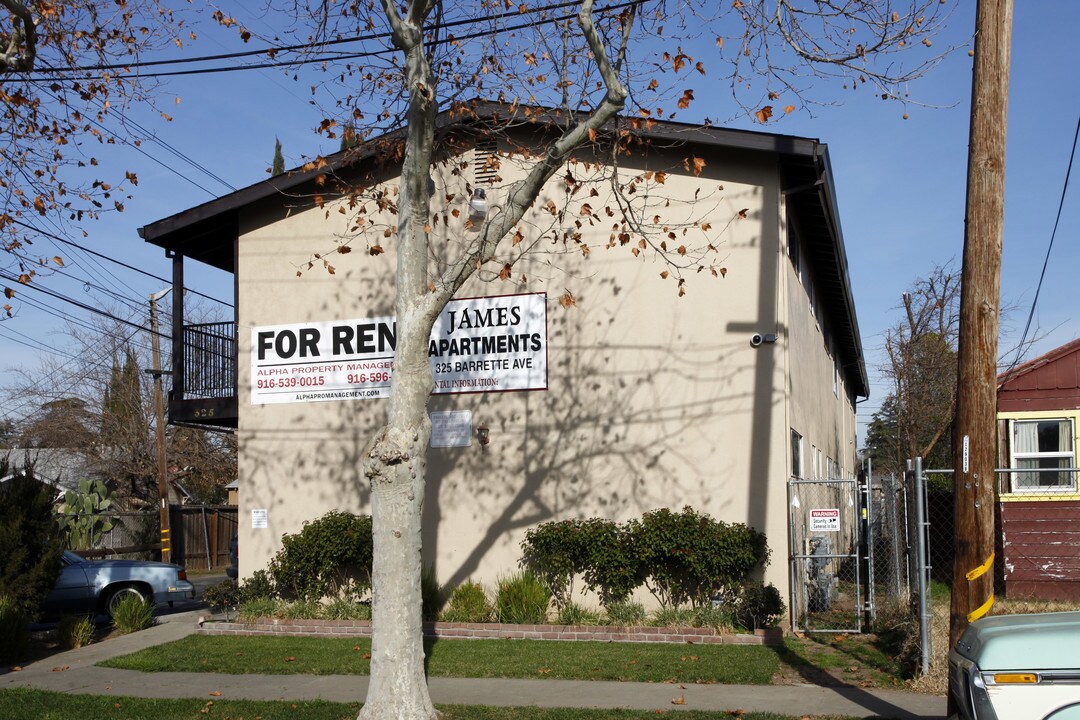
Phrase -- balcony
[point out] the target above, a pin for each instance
(204, 376)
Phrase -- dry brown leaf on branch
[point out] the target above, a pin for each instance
(764, 114)
(568, 300)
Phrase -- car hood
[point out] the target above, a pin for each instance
(1044, 641)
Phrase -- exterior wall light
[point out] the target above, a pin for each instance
(478, 205)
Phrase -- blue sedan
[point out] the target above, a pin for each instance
(97, 586)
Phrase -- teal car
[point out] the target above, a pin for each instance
(1008, 667)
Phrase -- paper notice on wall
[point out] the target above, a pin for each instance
(451, 429)
(259, 519)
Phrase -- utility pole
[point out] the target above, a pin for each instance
(159, 422)
(975, 426)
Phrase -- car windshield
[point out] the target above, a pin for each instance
(71, 558)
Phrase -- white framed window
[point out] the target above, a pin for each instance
(796, 455)
(836, 376)
(1042, 446)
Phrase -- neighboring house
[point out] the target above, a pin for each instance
(1038, 420)
(62, 468)
(233, 489)
(631, 399)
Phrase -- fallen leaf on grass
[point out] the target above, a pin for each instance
(682, 687)
(367, 656)
(61, 668)
(544, 671)
(681, 700)
(215, 694)
(290, 659)
(736, 712)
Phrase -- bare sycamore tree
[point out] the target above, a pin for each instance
(915, 419)
(603, 72)
(65, 87)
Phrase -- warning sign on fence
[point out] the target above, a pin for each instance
(825, 520)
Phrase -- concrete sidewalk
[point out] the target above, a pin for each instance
(75, 672)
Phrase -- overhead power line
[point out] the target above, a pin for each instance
(303, 47)
(76, 303)
(114, 260)
(1049, 247)
(61, 73)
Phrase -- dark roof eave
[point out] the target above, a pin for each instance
(827, 191)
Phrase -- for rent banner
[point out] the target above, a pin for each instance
(488, 344)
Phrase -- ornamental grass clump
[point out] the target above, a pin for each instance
(74, 631)
(522, 599)
(468, 604)
(132, 614)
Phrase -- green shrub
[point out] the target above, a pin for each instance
(468, 604)
(30, 543)
(574, 614)
(431, 595)
(626, 614)
(222, 596)
(522, 599)
(132, 614)
(324, 556)
(555, 552)
(614, 568)
(260, 586)
(14, 631)
(74, 631)
(757, 606)
(691, 558)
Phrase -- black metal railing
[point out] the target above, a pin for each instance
(209, 360)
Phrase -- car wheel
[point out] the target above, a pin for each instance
(116, 596)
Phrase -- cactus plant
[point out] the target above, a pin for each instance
(84, 521)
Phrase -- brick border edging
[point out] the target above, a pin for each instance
(597, 633)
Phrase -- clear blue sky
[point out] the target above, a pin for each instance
(900, 183)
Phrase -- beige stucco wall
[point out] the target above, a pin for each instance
(653, 400)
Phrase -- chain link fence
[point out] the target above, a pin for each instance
(826, 583)
(911, 549)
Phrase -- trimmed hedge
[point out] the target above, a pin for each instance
(329, 556)
(681, 557)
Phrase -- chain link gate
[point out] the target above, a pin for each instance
(826, 582)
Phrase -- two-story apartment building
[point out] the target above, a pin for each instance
(629, 396)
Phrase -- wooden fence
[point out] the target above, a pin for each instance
(201, 536)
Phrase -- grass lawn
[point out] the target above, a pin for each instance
(42, 705)
(728, 664)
